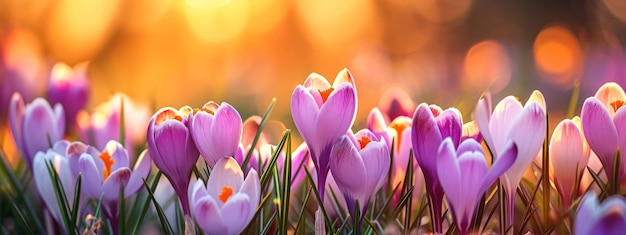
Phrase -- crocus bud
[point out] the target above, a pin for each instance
(69, 87)
(216, 130)
(172, 148)
(36, 126)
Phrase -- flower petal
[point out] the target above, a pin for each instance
(426, 139)
(600, 132)
(529, 137)
(16, 118)
(375, 157)
(316, 82)
(620, 124)
(111, 186)
(141, 171)
(609, 93)
(225, 173)
(501, 121)
(252, 187)
(450, 125)
(567, 155)
(92, 177)
(482, 116)
(448, 171)
(344, 76)
(500, 166)
(348, 167)
(208, 216)
(238, 212)
(226, 131)
(304, 111)
(200, 130)
(336, 115)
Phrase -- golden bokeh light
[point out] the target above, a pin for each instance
(487, 66)
(216, 21)
(558, 54)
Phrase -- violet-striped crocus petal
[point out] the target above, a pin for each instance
(600, 132)
(200, 130)
(500, 166)
(198, 191)
(208, 215)
(237, 212)
(304, 111)
(567, 155)
(426, 139)
(620, 125)
(528, 139)
(348, 167)
(172, 135)
(449, 171)
(375, 157)
(336, 115)
(482, 115)
(92, 178)
(450, 125)
(16, 118)
(226, 131)
(252, 187)
(226, 172)
(141, 172)
(500, 127)
(609, 93)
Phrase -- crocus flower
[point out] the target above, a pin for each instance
(604, 126)
(512, 122)
(69, 87)
(228, 202)
(172, 149)
(569, 154)
(216, 130)
(430, 126)
(395, 102)
(360, 165)
(64, 158)
(323, 113)
(105, 172)
(606, 218)
(36, 126)
(464, 176)
(104, 124)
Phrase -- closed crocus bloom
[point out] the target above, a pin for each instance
(172, 149)
(429, 127)
(35, 126)
(64, 158)
(569, 154)
(464, 176)
(323, 113)
(228, 202)
(604, 126)
(395, 102)
(511, 121)
(608, 218)
(216, 130)
(69, 87)
(359, 166)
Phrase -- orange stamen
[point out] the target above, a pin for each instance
(399, 127)
(325, 94)
(108, 162)
(364, 141)
(179, 118)
(226, 193)
(617, 104)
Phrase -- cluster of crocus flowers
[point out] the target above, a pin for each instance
(69, 87)
(608, 217)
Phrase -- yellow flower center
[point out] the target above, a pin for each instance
(364, 141)
(225, 194)
(108, 162)
(325, 94)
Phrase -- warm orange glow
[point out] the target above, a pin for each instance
(364, 141)
(108, 162)
(225, 194)
(216, 21)
(441, 11)
(557, 54)
(61, 73)
(617, 8)
(326, 93)
(486, 65)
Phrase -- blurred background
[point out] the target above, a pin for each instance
(245, 52)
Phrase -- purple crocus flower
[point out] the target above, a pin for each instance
(227, 203)
(36, 126)
(64, 158)
(395, 102)
(69, 87)
(216, 130)
(360, 165)
(464, 176)
(606, 218)
(104, 172)
(511, 121)
(172, 149)
(569, 155)
(322, 114)
(604, 126)
(430, 126)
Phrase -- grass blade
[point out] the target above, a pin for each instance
(164, 222)
(258, 134)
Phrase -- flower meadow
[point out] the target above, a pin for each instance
(123, 169)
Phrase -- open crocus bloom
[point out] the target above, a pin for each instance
(606, 218)
(511, 122)
(35, 126)
(569, 154)
(104, 172)
(360, 165)
(172, 149)
(228, 202)
(216, 130)
(323, 113)
(64, 158)
(464, 176)
(70, 88)
(604, 126)
(429, 128)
